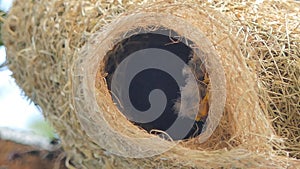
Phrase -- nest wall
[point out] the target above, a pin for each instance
(49, 43)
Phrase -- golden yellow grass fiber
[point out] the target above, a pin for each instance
(257, 44)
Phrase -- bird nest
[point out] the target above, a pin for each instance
(243, 55)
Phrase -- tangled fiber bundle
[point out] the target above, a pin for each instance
(58, 50)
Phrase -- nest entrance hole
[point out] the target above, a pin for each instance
(148, 80)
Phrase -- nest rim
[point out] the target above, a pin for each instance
(210, 58)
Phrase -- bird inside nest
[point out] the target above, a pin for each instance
(179, 95)
(200, 74)
(202, 78)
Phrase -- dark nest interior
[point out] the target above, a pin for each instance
(145, 81)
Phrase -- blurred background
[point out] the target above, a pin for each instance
(16, 111)
(26, 140)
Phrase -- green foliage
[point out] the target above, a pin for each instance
(42, 128)
(2, 15)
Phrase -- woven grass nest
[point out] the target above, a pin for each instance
(59, 50)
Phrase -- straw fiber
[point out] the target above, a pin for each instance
(58, 51)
